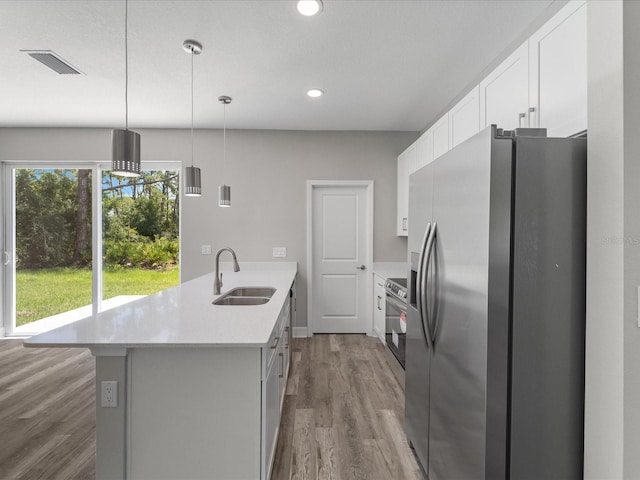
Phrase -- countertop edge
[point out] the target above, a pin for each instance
(42, 340)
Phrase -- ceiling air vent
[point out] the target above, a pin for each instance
(53, 61)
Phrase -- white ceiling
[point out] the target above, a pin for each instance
(384, 65)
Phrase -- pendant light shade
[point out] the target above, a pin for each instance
(192, 178)
(125, 144)
(224, 191)
(192, 182)
(125, 154)
(224, 196)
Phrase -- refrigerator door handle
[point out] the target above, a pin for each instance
(432, 306)
(420, 285)
(423, 286)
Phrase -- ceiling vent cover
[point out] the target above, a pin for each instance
(53, 61)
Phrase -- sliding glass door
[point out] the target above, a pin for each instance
(79, 240)
(140, 231)
(52, 242)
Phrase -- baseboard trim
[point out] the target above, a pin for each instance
(300, 332)
(377, 333)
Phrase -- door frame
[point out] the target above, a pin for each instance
(368, 262)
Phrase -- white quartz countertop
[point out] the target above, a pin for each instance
(183, 316)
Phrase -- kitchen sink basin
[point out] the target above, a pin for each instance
(246, 296)
(229, 300)
(266, 292)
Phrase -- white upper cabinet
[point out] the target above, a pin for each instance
(407, 163)
(504, 94)
(558, 72)
(440, 131)
(542, 84)
(464, 118)
(424, 149)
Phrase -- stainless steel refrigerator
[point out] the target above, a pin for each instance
(496, 314)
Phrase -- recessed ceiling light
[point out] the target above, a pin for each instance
(315, 93)
(309, 8)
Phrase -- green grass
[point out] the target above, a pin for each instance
(46, 292)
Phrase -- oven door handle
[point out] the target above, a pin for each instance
(397, 303)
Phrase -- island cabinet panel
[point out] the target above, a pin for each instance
(194, 413)
(275, 372)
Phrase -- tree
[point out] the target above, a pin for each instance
(53, 216)
(83, 220)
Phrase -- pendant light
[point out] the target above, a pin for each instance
(192, 179)
(224, 191)
(125, 144)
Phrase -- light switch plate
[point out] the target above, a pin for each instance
(206, 249)
(279, 251)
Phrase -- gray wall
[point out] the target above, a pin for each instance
(267, 170)
(613, 242)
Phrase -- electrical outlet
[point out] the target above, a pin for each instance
(279, 251)
(206, 249)
(109, 394)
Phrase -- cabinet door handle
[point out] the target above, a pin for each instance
(275, 343)
(404, 224)
(281, 365)
(379, 298)
(521, 117)
(529, 112)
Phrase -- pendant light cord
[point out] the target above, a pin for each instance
(126, 65)
(224, 139)
(192, 108)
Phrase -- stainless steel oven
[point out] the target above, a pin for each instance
(396, 316)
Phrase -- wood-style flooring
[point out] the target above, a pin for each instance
(343, 413)
(47, 413)
(342, 416)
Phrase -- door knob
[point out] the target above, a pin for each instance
(361, 267)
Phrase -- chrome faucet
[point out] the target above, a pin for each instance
(217, 283)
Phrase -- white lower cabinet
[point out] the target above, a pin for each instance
(379, 307)
(276, 360)
(283, 360)
(271, 413)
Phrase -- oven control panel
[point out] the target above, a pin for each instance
(394, 286)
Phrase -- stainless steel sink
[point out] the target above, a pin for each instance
(246, 296)
(228, 300)
(251, 292)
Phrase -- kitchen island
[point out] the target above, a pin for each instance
(198, 387)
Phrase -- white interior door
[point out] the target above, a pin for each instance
(341, 230)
